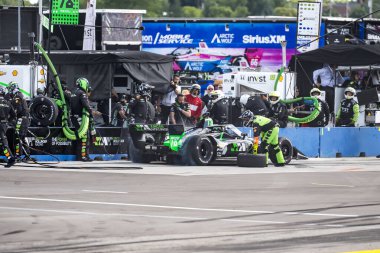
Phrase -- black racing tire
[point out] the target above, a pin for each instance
(137, 155)
(286, 148)
(198, 150)
(173, 159)
(251, 160)
(43, 111)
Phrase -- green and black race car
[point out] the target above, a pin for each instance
(194, 146)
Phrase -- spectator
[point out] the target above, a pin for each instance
(353, 81)
(278, 110)
(180, 111)
(169, 98)
(325, 79)
(324, 114)
(195, 103)
(218, 85)
(120, 112)
(206, 98)
(348, 112)
(185, 92)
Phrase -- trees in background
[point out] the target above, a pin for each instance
(224, 8)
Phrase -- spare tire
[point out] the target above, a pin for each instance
(286, 148)
(43, 111)
(251, 160)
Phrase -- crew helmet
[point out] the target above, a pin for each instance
(195, 87)
(83, 84)
(274, 97)
(244, 99)
(216, 95)
(247, 117)
(144, 89)
(12, 86)
(352, 91)
(315, 90)
(2, 91)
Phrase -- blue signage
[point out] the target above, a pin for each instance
(227, 35)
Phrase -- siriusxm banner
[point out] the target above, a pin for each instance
(264, 35)
(221, 47)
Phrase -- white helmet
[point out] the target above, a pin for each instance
(351, 90)
(216, 95)
(315, 90)
(244, 99)
(276, 95)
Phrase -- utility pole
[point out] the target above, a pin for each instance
(19, 26)
(370, 7)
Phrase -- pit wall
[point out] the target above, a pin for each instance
(332, 142)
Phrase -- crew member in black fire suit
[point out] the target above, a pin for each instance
(219, 108)
(348, 112)
(22, 123)
(278, 110)
(7, 114)
(139, 107)
(79, 105)
(323, 116)
(255, 104)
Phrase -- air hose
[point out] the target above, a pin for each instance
(69, 133)
(314, 114)
(317, 107)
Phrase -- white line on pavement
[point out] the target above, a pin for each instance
(104, 191)
(175, 207)
(335, 185)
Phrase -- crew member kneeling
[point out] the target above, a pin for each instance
(268, 130)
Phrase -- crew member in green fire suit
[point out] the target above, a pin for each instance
(268, 130)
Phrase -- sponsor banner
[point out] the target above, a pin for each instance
(265, 35)
(110, 140)
(372, 31)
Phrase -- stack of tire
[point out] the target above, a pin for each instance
(259, 160)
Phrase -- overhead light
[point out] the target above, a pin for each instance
(33, 1)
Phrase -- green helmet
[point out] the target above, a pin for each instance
(83, 84)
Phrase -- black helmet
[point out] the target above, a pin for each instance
(247, 117)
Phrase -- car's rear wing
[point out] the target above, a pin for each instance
(156, 128)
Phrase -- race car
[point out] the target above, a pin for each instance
(194, 146)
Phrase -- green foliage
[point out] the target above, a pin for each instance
(285, 11)
(217, 8)
(358, 12)
(14, 3)
(191, 12)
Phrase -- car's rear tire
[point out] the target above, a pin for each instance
(198, 150)
(137, 155)
(286, 148)
(251, 160)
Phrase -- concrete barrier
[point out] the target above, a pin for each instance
(330, 142)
